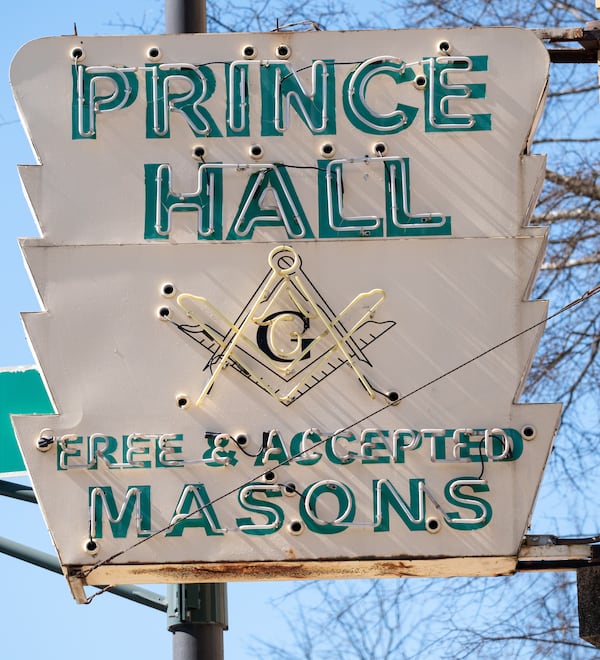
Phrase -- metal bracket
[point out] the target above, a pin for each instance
(588, 39)
(546, 552)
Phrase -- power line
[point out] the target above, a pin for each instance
(569, 306)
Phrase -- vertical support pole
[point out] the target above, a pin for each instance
(588, 597)
(197, 617)
(185, 16)
(197, 613)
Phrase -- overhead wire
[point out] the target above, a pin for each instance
(573, 303)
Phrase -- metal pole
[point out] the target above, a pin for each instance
(197, 616)
(185, 16)
(51, 563)
(588, 599)
(197, 613)
(17, 492)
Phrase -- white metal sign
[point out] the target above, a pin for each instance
(285, 282)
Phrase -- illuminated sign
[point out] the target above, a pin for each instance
(285, 281)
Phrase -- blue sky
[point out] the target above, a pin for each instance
(39, 616)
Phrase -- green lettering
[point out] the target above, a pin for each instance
(482, 511)
(137, 498)
(281, 90)
(162, 201)
(440, 95)
(248, 501)
(238, 105)
(412, 514)
(361, 115)
(194, 509)
(343, 501)
(273, 450)
(270, 200)
(164, 94)
(98, 89)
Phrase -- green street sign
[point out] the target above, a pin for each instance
(21, 392)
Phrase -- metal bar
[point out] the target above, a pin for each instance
(197, 617)
(559, 34)
(50, 563)
(551, 553)
(545, 540)
(17, 491)
(572, 56)
(588, 37)
(197, 614)
(185, 16)
(196, 642)
(588, 597)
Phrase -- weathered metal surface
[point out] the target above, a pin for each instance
(588, 598)
(251, 571)
(559, 34)
(587, 37)
(554, 553)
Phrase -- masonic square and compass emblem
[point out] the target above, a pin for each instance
(287, 338)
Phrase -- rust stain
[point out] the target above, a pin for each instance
(292, 569)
